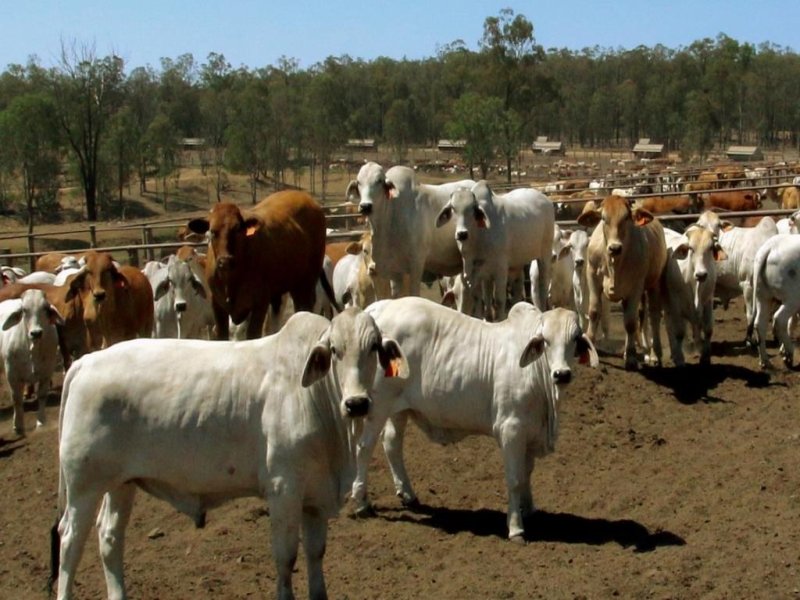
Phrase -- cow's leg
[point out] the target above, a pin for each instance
(415, 279)
(255, 324)
(42, 390)
(111, 523)
(707, 322)
(526, 505)
(656, 352)
(304, 298)
(285, 514)
(74, 528)
(540, 295)
(393, 436)
(517, 289)
(512, 446)
(396, 287)
(315, 535)
(781, 320)
(676, 326)
(761, 318)
(17, 397)
(630, 309)
(366, 445)
(749, 307)
(595, 306)
(220, 321)
(501, 294)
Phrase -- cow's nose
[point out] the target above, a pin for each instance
(562, 375)
(99, 295)
(180, 307)
(701, 275)
(372, 270)
(365, 208)
(357, 406)
(579, 262)
(462, 234)
(223, 262)
(614, 248)
(35, 334)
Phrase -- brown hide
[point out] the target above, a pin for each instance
(336, 250)
(256, 257)
(730, 200)
(790, 197)
(52, 260)
(117, 303)
(659, 205)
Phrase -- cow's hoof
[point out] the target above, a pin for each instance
(631, 365)
(409, 501)
(766, 366)
(519, 540)
(365, 512)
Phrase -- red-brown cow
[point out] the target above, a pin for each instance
(735, 200)
(256, 257)
(117, 302)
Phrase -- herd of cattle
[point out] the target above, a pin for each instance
(295, 405)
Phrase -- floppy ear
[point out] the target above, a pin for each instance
(161, 289)
(74, 283)
(251, 226)
(564, 251)
(199, 226)
(351, 193)
(354, 248)
(198, 286)
(641, 216)
(532, 351)
(13, 318)
(481, 218)
(55, 316)
(445, 215)
(719, 253)
(590, 218)
(318, 362)
(726, 225)
(449, 299)
(120, 281)
(681, 252)
(392, 359)
(390, 190)
(586, 352)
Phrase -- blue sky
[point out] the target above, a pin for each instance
(256, 33)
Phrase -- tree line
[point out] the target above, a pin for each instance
(92, 121)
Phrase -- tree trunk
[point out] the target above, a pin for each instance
(91, 201)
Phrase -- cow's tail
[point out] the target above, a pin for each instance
(759, 264)
(326, 286)
(55, 535)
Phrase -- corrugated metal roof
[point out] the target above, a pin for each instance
(649, 148)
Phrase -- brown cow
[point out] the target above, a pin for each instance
(734, 200)
(790, 196)
(627, 255)
(256, 257)
(52, 261)
(117, 302)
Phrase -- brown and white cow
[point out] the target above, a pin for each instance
(117, 302)
(626, 259)
(257, 256)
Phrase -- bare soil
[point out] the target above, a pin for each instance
(665, 483)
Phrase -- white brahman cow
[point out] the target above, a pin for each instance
(29, 349)
(182, 305)
(401, 213)
(776, 279)
(697, 252)
(498, 232)
(269, 417)
(470, 377)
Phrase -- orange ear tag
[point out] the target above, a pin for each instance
(392, 370)
(250, 230)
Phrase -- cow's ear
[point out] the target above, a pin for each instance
(392, 359)
(161, 289)
(532, 351)
(354, 248)
(444, 215)
(481, 219)
(318, 363)
(199, 226)
(589, 218)
(586, 352)
(390, 190)
(726, 225)
(120, 281)
(719, 253)
(351, 193)
(641, 216)
(566, 249)
(13, 318)
(74, 283)
(449, 299)
(251, 226)
(198, 286)
(54, 315)
(681, 251)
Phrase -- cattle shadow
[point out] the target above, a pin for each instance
(694, 383)
(542, 526)
(8, 447)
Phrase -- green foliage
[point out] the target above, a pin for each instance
(477, 120)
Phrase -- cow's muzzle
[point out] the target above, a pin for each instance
(365, 208)
(99, 295)
(35, 334)
(462, 235)
(180, 307)
(614, 248)
(701, 276)
(356, 406)
(562, 376)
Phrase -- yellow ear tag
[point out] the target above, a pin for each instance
(250, 230)
(392, 369)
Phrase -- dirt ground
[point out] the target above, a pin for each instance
(665, 483)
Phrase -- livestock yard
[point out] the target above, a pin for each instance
(665, 482)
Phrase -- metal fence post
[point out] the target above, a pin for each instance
(31, 249)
